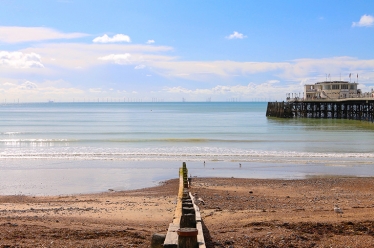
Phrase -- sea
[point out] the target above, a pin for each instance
(72, 148)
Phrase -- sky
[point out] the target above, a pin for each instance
(192, 50)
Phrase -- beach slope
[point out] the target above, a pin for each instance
(236, 213)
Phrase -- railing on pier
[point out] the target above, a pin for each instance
(186, 229)
(347, 109)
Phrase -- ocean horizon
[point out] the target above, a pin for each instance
(67, 148)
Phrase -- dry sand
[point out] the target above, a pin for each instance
(237, 213)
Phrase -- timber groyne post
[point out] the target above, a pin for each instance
(186, 229)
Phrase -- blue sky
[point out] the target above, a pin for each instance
(116, 50)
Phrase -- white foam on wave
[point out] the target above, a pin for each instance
(34, 142)
(11, 133)
(183, 153)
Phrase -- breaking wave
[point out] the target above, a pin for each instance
(185, 153)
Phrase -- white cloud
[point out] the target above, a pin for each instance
(27, 34)
(236, 35)
(177, 89)
(217, 90)
(365, 21)
(28, 86)
(39, 92)
(75, 55)
(159, 63)
(294, 70)
(20, 60)
(150, 41)
(301, 68)
(8, 84)
(269, 89)
(88, 55)
(201, 71)
(140, 67)
(116, 38)
(121, 59)
(96, 90)
(78, 55)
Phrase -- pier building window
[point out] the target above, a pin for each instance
(344, 86)
(352, 87)
(327, 87)
(335, 86)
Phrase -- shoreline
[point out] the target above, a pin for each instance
(256, 212)
(66, 177)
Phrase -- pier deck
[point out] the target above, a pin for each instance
(353, 109)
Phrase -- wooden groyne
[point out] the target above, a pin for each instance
(186, 230)
(341, 109)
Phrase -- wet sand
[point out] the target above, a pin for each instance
(236, 213)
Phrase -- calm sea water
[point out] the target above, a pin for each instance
(94, 146)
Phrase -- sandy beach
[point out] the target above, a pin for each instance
(236, 213)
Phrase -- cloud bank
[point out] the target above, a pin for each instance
(42, 91)
(144, 63)
(265, 90)
(32, 34)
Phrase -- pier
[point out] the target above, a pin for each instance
(327, 99)
(352, 109)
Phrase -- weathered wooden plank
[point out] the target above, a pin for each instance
(171, 239)
(200, 235)
(178, 209)
(197, 209)
(199, 227)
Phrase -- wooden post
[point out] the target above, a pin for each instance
(187, 238)
(185, 194)
(185, 173)
(188, 220)
(187, 210)
(158, 240)
(187, 204)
